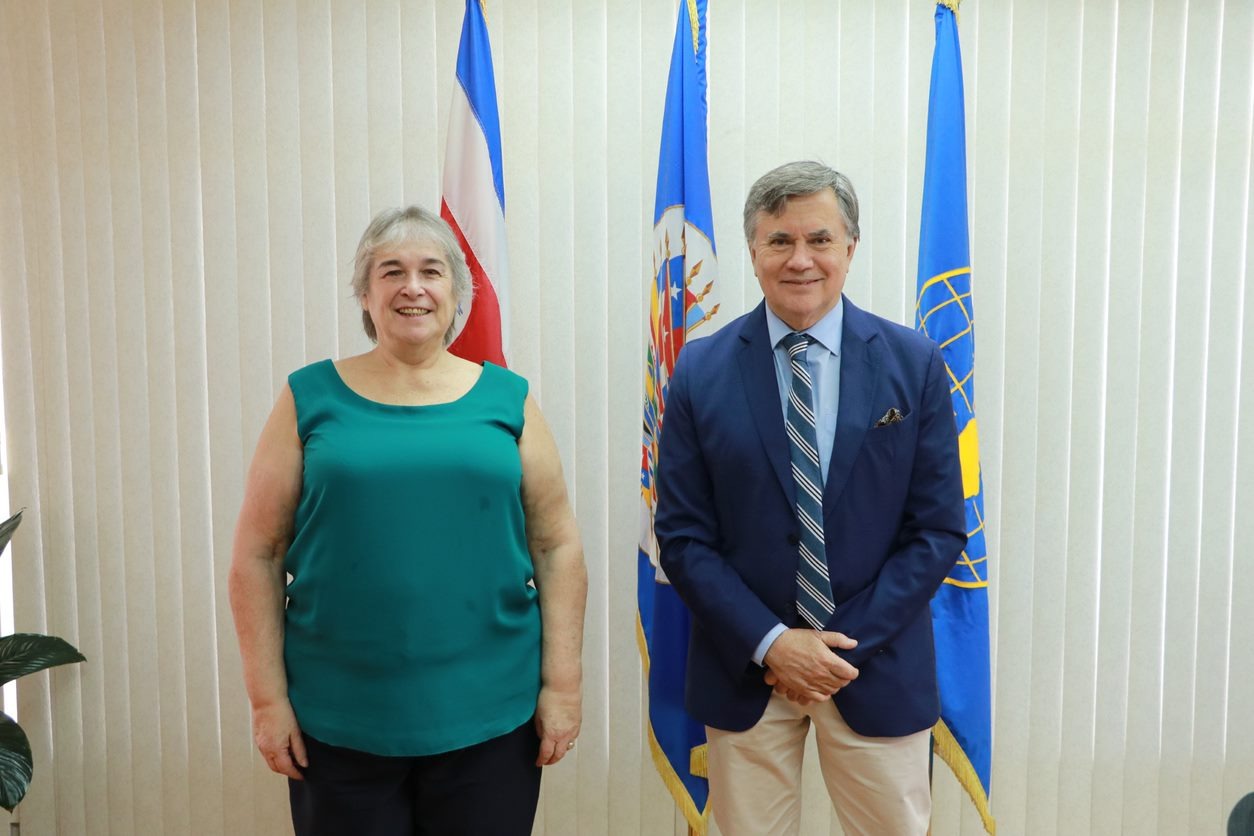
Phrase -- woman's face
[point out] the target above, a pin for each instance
(410, 293)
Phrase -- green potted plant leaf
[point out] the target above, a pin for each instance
(20, 654)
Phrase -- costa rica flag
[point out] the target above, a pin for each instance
(474, 194)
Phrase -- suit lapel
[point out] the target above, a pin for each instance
(859, 364)
(757, 369)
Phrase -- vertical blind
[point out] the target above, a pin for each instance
(181, 188)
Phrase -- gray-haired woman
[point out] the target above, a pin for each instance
(424, 661)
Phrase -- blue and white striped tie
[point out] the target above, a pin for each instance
(814, 586)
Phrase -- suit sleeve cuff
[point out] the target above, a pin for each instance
(759, 655)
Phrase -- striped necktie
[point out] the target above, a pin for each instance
(814, 587)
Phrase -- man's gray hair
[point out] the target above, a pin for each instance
(773, 189)
(409, 225)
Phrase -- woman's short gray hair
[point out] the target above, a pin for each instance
(773, 189)
(411, 224)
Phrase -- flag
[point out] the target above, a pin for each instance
(474, 193)
(963, 736)
(684, 269)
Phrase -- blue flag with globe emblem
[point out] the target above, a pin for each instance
(680, 294)
(963, 736)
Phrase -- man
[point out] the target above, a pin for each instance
(809, 505)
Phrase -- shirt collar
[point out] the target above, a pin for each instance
(826, 332)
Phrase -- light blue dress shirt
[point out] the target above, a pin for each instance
(823, 360)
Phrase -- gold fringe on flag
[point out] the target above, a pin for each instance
(699, 762)
(945, 745)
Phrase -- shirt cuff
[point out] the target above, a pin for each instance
(769, 639)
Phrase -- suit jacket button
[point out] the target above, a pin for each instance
(793, 539)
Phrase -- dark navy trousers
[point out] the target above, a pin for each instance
(489, 789)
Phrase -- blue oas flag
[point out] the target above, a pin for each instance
(684, 269)
(474, 193)
(963, 737)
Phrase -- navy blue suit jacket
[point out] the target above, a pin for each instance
(893, 518)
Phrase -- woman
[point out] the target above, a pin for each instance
(424, 661)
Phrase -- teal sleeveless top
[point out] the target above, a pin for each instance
(411, 626)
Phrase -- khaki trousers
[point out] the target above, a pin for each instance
(879, 785)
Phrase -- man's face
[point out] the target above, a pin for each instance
(801, 257)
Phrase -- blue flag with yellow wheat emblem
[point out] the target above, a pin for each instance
(963, 736)
(680, 301)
